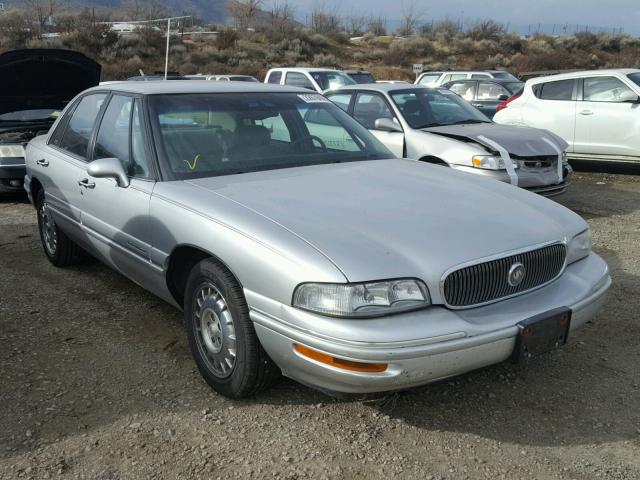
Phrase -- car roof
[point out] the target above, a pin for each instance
(492, 80)
(382, 87)
(159, 87)
(306, 69)
(583, 73)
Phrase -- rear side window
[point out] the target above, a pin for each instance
(558, 90)
(480, 75)
(465, 89)
(77, 134)
(274, 77)
(296, 79)
(429, 79)
(491, 91)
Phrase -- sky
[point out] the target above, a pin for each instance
(521, 15)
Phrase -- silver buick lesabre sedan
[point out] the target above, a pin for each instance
(435, 125)
(295, 243)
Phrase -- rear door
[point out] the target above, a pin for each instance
(116, 218)
(489, 95)
(63, 164)
(553, 106)
(607, 121)
(370, 106)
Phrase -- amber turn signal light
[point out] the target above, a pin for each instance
(339, 362)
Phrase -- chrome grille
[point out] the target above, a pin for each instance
(488, 281)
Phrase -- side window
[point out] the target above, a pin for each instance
(606, 89)
(274, 77)
(369, 107)
(458, 76)
(429, 79)
(491, 91)
(341, 99)
(558, 90)
(113, 134)
(277, 128)
(465, 89)
(480, 75)
(77, 134)
(139, 163)
(297, 79)
(446, 78)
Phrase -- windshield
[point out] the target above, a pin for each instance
(424, 108)
(635, 78)
(362, 77)
(329, 80)
(41, 114)
(504, 75)
(207, 135)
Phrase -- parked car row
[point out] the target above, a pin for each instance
(295, 242)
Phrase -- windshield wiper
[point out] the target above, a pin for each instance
(469, 120)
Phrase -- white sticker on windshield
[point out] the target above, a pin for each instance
(313, 98)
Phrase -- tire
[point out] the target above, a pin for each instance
(221, 335)
(59, 249)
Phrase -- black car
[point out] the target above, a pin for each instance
(360, 76)
(35, 85)
(486, 94)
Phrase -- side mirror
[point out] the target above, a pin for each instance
(629, 97)
(502, 98)
(109, 168)
(387, 125)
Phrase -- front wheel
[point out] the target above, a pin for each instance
(221, 334)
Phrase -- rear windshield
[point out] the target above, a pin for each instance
(503, 75)
(206, 135)
(330, 80)
(362, 77)
(635, 78)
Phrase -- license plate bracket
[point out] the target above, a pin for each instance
(542, 333)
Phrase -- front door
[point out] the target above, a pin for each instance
(117, 218)
(367, 108)
(607, 122)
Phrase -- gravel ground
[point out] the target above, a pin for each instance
(96, 381)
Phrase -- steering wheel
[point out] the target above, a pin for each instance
(323, 146)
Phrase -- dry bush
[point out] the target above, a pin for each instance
(487, 30)
(226, 38)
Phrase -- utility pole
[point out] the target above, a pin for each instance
(166, 57)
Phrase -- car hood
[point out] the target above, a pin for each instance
(397, 218)
(519, 141)
(42, 78)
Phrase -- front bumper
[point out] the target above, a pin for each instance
(421, 346)
(541, 181)
(12, 172)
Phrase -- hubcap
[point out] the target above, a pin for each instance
(215, 331)
(48, 227)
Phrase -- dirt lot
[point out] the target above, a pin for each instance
(96, 381)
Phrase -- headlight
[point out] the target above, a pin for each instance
(16, 151)
(490, 162)
(362, 299)
(579, 247)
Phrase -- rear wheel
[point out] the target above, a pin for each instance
(59, 249)
(221, 334)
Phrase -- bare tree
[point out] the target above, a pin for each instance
(487, 30)
(411, 18)
(377, 26)
(15, 30)
(356, 25)
(282, 17)
(42, 11)
(325, 22)
(244, 12)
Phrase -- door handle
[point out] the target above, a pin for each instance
(586, 112)
(42, 162)
(86, 183)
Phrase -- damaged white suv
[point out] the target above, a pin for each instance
(438, 126)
